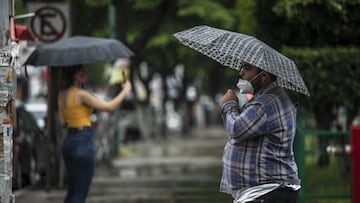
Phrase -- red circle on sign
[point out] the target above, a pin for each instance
(41, 14)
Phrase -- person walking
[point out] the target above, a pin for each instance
(75, 107)
(258, 159)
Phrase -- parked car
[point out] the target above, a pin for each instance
(29, 160)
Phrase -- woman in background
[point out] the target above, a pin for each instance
(75, 107)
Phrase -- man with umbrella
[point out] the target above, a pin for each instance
(258, 161)
(258, 158)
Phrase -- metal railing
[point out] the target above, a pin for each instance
(327, 181)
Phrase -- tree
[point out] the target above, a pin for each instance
(149, 33)
(324, 41)
(338, 19)
(147, 28)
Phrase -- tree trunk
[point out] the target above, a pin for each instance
(324, 118)
(148, 31)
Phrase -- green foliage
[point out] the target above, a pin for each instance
(209, 11)
(331, 74)
(326, 28)
(319, 183)
(160, 40)
(96, 3)
(293, 23)
(271, 28)
(144, 5)
(247, 21)
(316, 23)
(290, 8)
(139, 26)
(95, 74)
(20, 10)
(89, 18)
(163, 52)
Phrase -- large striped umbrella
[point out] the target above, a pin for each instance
(232, 49)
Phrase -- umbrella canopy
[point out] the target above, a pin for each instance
(20, 32)
(232, 49)
(78, 50)
(23, 33)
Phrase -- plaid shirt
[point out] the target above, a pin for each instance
(259, 149)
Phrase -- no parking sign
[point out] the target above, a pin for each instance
(51, 21)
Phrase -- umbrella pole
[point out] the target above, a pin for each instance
(49, 129)
(235, 82)
(53, 132)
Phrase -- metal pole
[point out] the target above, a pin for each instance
(49, 148)
(299, 152)
(112, 19)
(4, 22)
(355, 154)
(7, 110)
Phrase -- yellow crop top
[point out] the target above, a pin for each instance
(76, 115)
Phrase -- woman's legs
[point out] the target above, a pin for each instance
(79, 157)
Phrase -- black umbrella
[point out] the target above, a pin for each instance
(78, 50)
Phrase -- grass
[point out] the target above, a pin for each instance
(328, 184)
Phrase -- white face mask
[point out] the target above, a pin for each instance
(245, 86)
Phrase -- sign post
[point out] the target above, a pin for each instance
(51, 21)
(7, 110)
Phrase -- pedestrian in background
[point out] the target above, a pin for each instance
(78, 149)
(258, 159)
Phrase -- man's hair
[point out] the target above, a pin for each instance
(272, 77)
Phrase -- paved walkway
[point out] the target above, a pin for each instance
(177, 169)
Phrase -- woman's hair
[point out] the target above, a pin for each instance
(68, 75)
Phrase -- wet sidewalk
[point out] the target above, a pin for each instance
(177, 169)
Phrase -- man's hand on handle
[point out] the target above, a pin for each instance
(229, 96)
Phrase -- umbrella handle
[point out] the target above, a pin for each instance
(124, 76)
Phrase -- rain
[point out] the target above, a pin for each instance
(165, 141)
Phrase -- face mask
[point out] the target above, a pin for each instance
(245, 86)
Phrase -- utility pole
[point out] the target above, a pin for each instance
(112, 19)
(7, 87)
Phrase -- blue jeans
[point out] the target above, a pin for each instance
(79, 156)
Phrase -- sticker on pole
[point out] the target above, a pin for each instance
(5, 56)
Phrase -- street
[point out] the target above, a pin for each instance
(178, 169)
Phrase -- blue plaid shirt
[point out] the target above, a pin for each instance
(259, 149)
